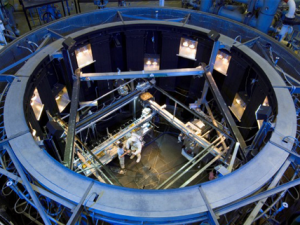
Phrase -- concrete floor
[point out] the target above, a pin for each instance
(85, 7)
(160, 160)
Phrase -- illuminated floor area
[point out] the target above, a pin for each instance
(160, 159)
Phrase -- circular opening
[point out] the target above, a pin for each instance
(144, 87)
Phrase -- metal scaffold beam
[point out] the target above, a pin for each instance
(79, 208)
(211, 215)
(141, 74)
(257, 197)
(273, 184)
(70, 146)
(35, 199)
(222, 131)
(225, 111)
(188, 166)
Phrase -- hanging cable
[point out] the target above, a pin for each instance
(19, 46)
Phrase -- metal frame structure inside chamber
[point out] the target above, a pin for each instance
(129, 206)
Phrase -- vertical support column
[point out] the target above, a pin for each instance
(70, 143)
(67, 71)
(215, 37)
(134, 101)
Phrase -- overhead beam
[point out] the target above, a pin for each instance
(70, 145)
(142, 74)
(225, 111)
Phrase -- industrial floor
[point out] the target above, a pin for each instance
(160, 159)
(85, 7)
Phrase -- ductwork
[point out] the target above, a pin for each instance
(292, 9)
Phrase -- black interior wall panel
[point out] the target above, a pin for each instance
(185, 63)
(117, 53)
(235, 74)
(204, 49)
(135, 50)
(101, 53)
(153, 42)
(169, 50)
(196, 87)
(46, 94)
(169, 58)
(256, 98)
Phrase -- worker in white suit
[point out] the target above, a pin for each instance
(134, 144)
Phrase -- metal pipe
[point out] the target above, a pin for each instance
(189, 162)
(292, 9)
(258, 3)
(236, 15)
(266, 15)
(204, 168)
(205, 5)
(231, 14)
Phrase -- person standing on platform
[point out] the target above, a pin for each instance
(135, 145)
(121, 157)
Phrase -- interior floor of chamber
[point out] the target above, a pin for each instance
(161, 158)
